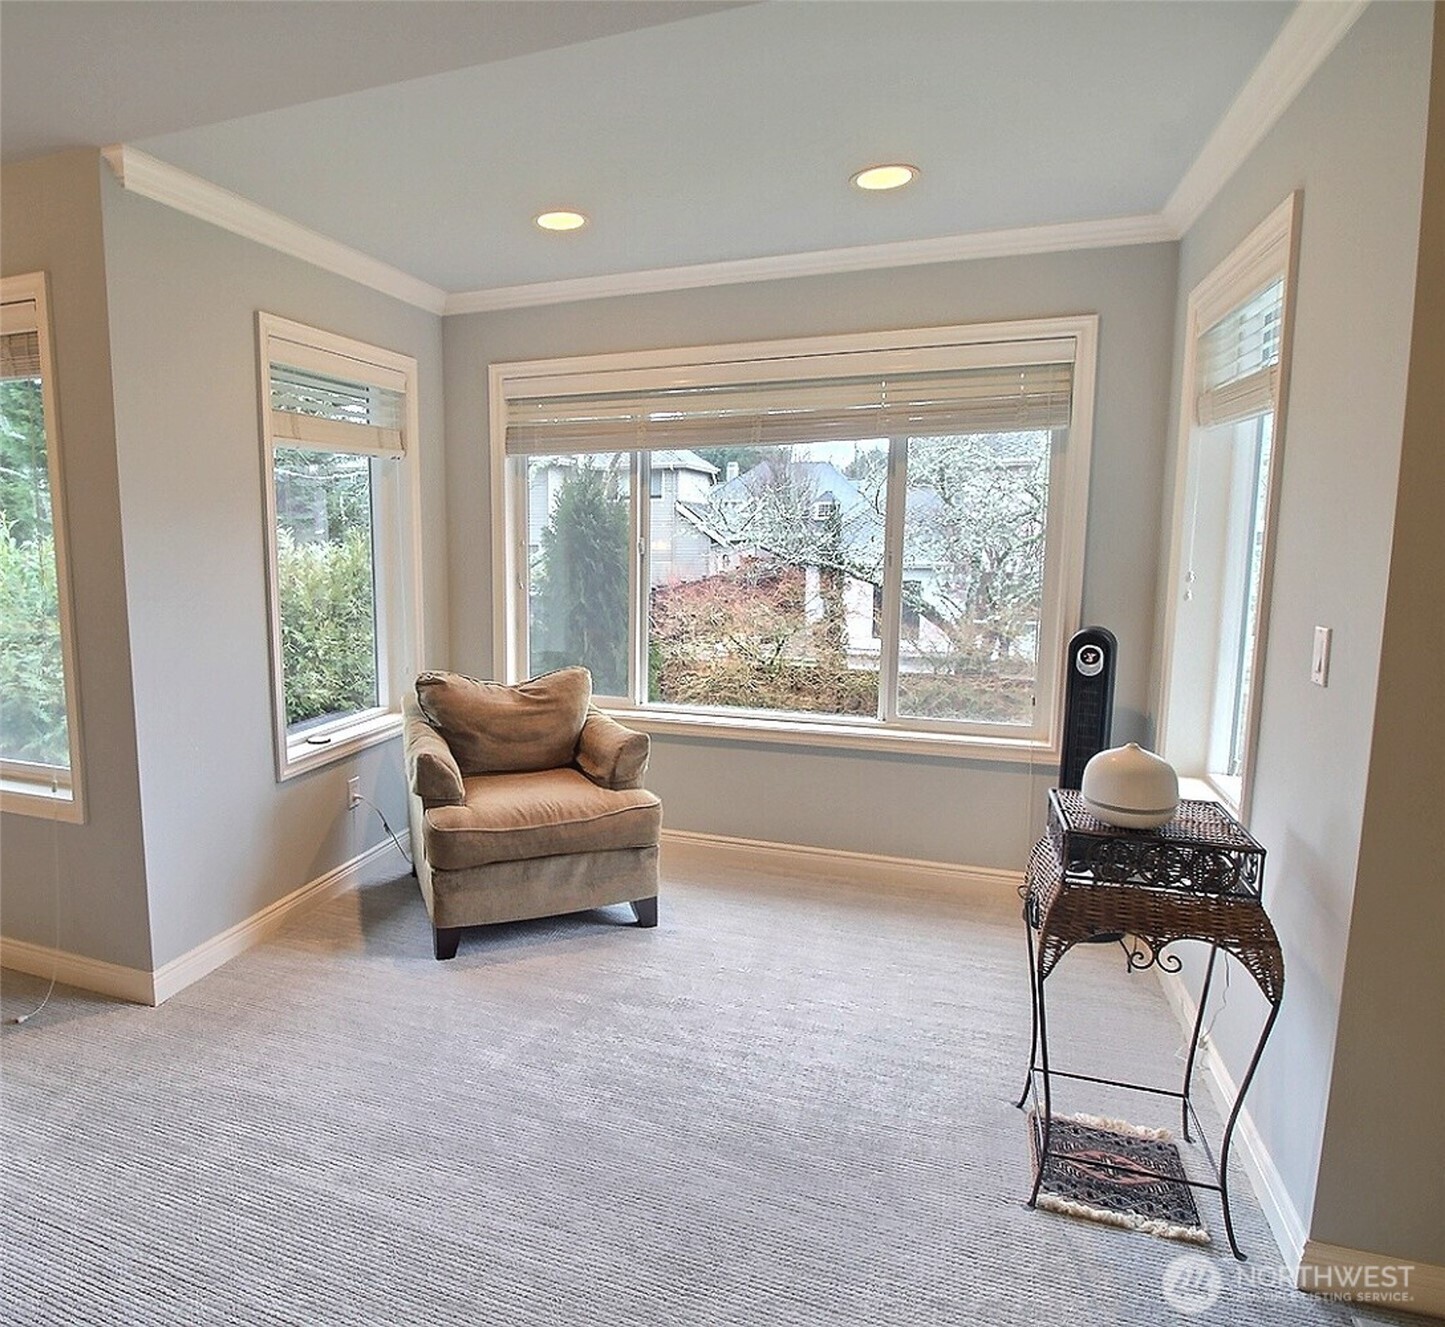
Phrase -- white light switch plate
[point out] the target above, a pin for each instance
(1320, 657)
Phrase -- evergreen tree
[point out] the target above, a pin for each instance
(579, 612)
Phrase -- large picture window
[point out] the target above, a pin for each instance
(841, 540)
(39, 711)
(1230, 444)
(339, 434)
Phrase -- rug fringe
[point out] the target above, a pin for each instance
(1119, 1126)
(1051, 1202)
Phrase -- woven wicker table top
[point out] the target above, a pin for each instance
(1200, 877)
(1203, 849)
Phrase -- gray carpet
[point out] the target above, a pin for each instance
(789, 1104)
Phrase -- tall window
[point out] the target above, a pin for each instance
(39, 713)
(339, 435)
(832, 540)
(1230, 448)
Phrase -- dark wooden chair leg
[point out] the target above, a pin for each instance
(445, 940)
(645, 910)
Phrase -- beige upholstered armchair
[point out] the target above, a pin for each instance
(525, 802)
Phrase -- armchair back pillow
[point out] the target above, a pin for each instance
(492, 728)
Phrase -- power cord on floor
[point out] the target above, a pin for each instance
(21, 1019)
(386, 826)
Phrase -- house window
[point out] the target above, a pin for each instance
(339, 436)
(881, 540)
(40, 762)
(1231, 439)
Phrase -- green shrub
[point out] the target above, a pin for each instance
(32, 669)
(328, 625)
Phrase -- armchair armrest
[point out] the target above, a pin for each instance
(609, 754)
(432, 772)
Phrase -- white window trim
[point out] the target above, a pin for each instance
(763, 360)
(396, 541)
(1270, 250)
(47, 791)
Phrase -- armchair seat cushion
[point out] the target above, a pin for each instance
(542, 813)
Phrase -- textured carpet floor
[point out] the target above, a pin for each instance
(789, 1104)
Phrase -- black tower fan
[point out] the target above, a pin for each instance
(1088, 701)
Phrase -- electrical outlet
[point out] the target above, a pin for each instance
(353, 794)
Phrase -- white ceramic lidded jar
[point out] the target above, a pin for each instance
(1130, 787)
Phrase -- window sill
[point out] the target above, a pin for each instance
(26, 798)
(343, 740)
(845, 736)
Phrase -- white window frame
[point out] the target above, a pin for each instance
(917, 349)
(1188, 709)
(48, 791)
(396, 544)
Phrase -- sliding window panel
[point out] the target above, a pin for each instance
(972, 604)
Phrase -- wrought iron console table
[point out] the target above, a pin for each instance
(1199, 877)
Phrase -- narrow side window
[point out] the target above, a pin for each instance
(40, 753)
(339, 440)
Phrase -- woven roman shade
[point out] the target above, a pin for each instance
(330, 402)
(1238, 360)
(990, 399)
(19, 340)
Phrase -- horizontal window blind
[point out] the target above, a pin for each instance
(975, 400)
(19, 355)
(310, 409)
(1238, 360)
(19, 340)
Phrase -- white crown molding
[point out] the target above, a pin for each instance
(1305, 41)
(1112, 232)
(143, 174)
(1308, 36)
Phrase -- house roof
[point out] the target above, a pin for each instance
(665, 459)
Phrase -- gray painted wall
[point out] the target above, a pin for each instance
(95, 873)
(1382, 1167)
(1354, 142)
(222, 837)
(953, 810)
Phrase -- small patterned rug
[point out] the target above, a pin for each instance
(1082, 1177)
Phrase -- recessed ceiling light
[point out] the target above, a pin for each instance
(561, 221)
(892, 176)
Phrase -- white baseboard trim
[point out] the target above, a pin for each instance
(1372, 1278)
(873, 868)
(1279, 1209)
(206, 957)
(153, 988)
(90, 974)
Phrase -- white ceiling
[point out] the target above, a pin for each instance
(87, 73)
(729, 133)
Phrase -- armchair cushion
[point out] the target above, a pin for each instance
(431, 769)
(542, 813)
(496, 729)
(609, 754)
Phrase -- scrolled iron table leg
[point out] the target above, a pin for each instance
(1234, 1119)
(1194, 1041)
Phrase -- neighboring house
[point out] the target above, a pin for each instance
(812, 506)
(680, 551)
